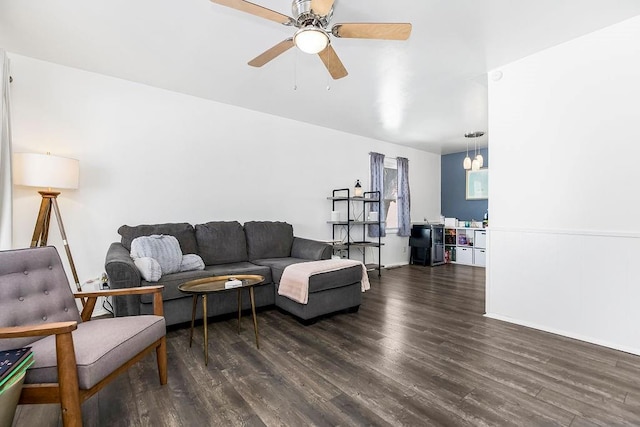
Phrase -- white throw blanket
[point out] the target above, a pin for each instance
(294, 283)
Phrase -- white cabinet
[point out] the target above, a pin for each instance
(480, 239)
(480, 248)
(464, 255)
(465, 245)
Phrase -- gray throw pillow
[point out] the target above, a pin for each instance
(149, 268)
(164, 249)
(191, 262)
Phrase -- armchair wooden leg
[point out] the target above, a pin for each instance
(161, 354)
(68, 381)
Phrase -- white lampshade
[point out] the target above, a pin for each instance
(311, 39)
(45, 171)
(480, 160)
(466, 164)
(475, 165)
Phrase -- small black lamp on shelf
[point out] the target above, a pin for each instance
(357, 190)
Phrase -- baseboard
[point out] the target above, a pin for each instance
(591, 340)
(396, 265)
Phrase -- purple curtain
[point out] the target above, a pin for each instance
(404, 198)
(377, 184)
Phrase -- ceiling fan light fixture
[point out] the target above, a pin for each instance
(311, 39)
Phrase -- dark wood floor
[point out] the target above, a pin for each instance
(419, 352)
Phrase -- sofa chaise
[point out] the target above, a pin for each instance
(228, 248)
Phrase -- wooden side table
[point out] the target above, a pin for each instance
(207, 285)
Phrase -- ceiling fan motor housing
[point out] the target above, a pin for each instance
(304, 15)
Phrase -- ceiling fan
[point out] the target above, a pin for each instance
(311, 18)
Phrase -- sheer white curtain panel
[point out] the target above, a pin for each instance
(6, 196)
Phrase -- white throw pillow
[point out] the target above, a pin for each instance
(149, 268)
(164, 249)
(191, 262)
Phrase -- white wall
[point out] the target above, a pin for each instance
(565, 235)
(149, 155)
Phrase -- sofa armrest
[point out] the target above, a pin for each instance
(123, 273)
(310, 249)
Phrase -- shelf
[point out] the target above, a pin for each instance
(366, 245)
(354, 199)
(352, 222)
(340, 246)
(356, 225)
(462, 245)
(373, 267)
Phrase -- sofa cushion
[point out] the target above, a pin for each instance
(277, 265)
(172, 281)
(184, 232)
(221, 242)
(164, 249)
(267, 239)
(238, 268)
(317, 282)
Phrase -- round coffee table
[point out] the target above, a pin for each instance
(207, 285)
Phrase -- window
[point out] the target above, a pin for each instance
(390, 195)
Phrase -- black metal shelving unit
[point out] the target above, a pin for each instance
(342, 195)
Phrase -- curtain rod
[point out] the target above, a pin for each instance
(390, 158)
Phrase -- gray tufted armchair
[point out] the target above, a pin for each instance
(74, 357)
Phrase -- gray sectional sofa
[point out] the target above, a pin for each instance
(229, 248)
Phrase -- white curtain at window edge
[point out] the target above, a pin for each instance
(404, 198)
(6, 197)
(377, 184)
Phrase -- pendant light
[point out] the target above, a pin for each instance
(466, 164)
(475, 164)
(478, 160)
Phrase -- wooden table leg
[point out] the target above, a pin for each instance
(193, 317)
(255, 320)
(206, 329)
(239, 307)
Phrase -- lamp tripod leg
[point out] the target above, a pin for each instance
(41, 230)
(66, 244)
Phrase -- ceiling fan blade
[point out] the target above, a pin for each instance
(372, 31)
(333, 63)
(272, 53)
(254, 9)
(321, 7)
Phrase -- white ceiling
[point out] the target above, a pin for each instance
(425, 92)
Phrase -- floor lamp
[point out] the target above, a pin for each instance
(47, 171)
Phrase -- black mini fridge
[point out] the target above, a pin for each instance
(427, 244)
